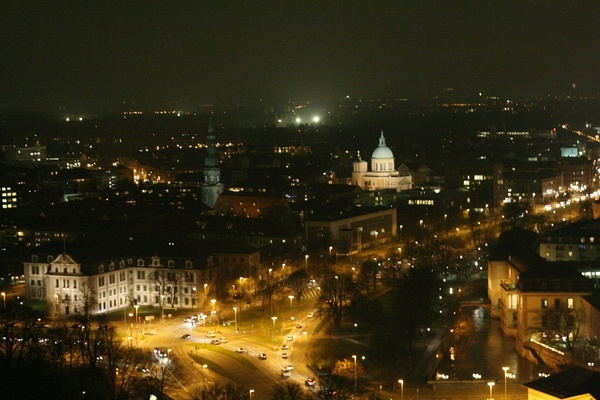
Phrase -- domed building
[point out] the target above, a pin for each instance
(383, 173)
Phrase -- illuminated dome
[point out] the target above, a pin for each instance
(382, 151)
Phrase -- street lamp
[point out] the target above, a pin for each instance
(491, 385)
(306, 262)
(162, 307)
(213, 301)
(194, 298)
(136, 315)
(401, 382)
(505, 369)
(251, 393)
(274, 319)
(291, 299)
(205, 286)
(354, 371)
(330, 248)
(4, 300)
(235, 318)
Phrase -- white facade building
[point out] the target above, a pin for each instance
(383, 173)
(68, 287)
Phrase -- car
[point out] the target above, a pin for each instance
(284, 347)
(186, 336)
(226, 323)
(262, 356)
(211, 334)
(239, 350)
(223, 339)
(310, 315)
(215, 341)
(284, 355)
(289, 338)
(309, 382)
(298, 326)
(289, 367)
(285, 373)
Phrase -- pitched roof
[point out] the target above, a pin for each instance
(569, 383)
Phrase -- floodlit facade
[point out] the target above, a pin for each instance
(69, 287)
(383, 173)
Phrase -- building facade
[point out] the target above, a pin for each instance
(69, 287)
(383, 173)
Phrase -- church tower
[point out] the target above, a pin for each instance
(212, 186)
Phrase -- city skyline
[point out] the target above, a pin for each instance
(100, 54)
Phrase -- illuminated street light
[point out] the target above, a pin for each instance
(505, 369)
(306, 262)
(235, 318)
(213, 301)
(251, 393)
(354, 371)
(401, 382)
(4, 300)
(291, 300)
(491, 385)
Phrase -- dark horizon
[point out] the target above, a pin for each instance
(94, 56)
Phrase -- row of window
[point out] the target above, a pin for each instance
(570, 303)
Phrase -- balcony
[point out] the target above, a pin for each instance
(508, 285)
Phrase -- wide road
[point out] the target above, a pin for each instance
(245, 369)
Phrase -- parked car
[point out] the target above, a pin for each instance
(284, 347)
(211, 334)
(298, 326)
(310, 382)
(223, 339)
(285, 373)
(215, 341)
(262, 356)
(239, 350)
(284, 355)
(310, 315)
(185, 336)
(289, 367)
(289, 338)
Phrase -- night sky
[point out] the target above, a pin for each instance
(88, 54)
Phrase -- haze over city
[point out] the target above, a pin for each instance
(93, 56)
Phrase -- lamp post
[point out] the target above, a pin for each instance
(4, 300)
(162, 307)
(194, 297)
(505, 369)
(235, 318)
(354, 371)
(291, 300)
(491, 385)
(213, 301)
(136, 315)
(251, 393)
(205, 286)
(274, 319)
(401, 382)
(306, 262)
(330, 248)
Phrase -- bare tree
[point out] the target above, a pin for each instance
(288, 391)
(298, 282)
(336, 292)
(564, 324)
